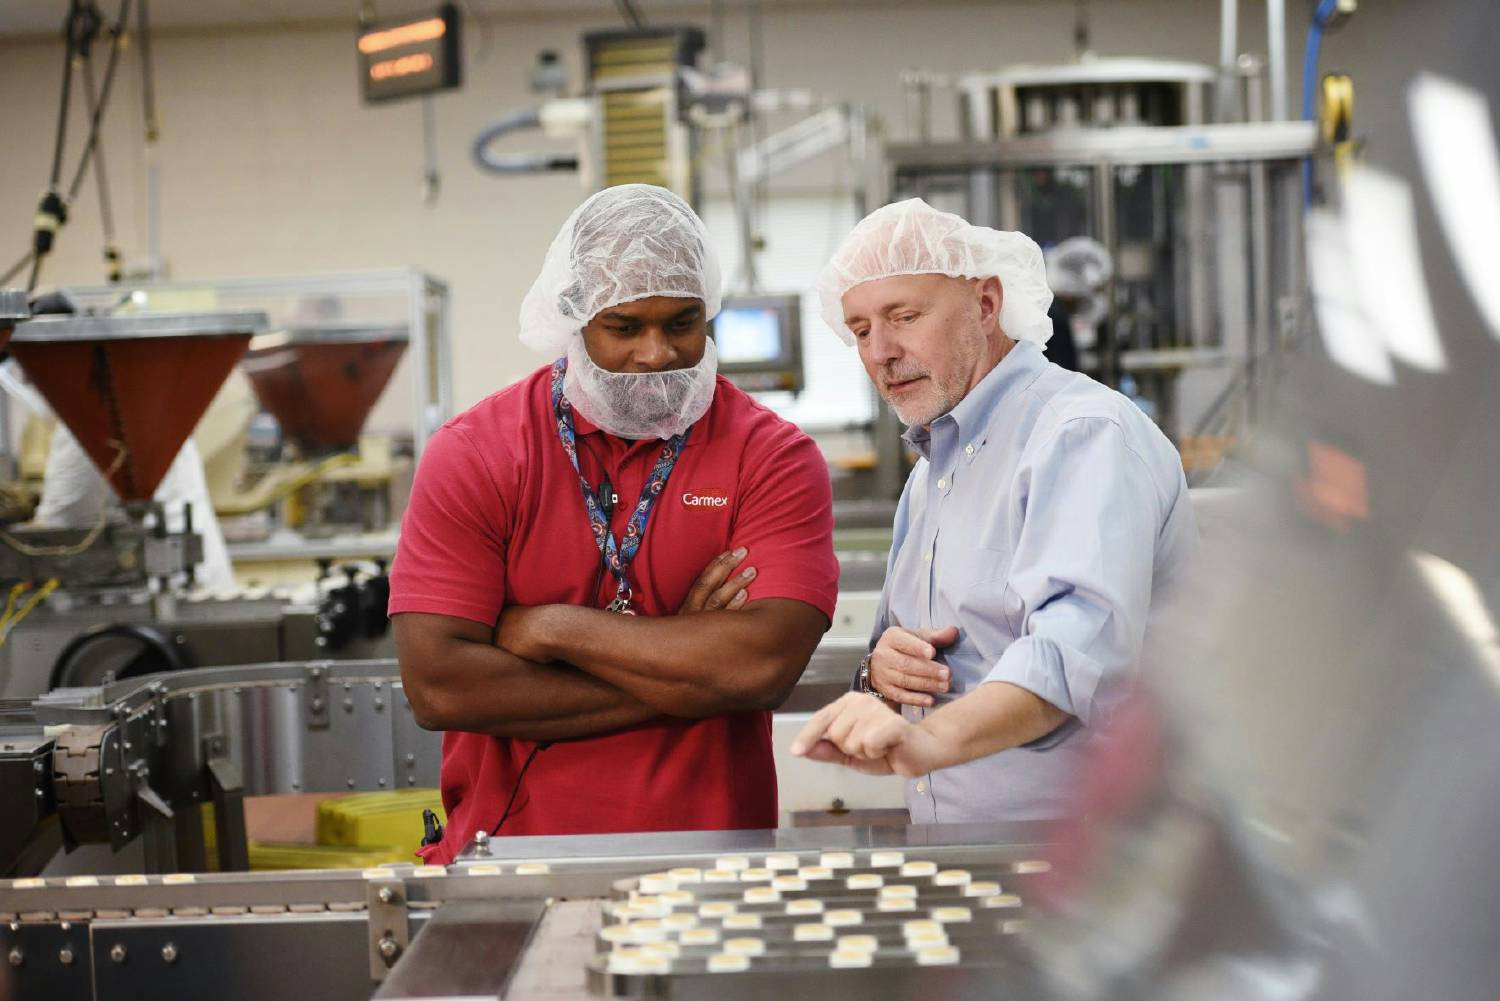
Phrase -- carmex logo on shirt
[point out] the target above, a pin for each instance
(705, 500)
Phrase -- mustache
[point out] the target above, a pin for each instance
(901, 373)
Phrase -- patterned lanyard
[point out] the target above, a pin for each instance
(616, 556)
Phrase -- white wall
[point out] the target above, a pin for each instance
(270, 164)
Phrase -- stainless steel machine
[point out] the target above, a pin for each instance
(1197, 216)
(531, 922)
(132, 759)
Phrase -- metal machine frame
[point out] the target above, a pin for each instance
(121, 761)
(1263, 148)
(517, 921)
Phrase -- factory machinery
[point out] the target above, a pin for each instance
(117, 598)
(310, 354)
(1168, 198)
(828, 912)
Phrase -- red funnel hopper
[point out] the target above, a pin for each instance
(141, 382)
(320, 383)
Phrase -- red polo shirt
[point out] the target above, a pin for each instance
(496, 518)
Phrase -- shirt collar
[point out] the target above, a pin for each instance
(1020, 367)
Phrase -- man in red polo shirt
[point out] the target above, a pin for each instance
(558, 593)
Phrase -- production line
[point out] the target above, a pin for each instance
(1292, 799)
(545, 919)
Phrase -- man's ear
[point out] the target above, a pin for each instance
(991, 298)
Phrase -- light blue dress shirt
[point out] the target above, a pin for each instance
(1046, 517)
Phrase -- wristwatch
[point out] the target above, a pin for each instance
(864, 677)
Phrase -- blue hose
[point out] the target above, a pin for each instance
(1321, 17)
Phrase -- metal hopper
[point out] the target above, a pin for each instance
(321, 381)
(131, 388)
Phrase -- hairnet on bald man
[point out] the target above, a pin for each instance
(913, 238)
(624, 243)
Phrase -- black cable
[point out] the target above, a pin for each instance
(106, 212)
(148, 81)
(98, 117)
(75, 11)
(82, 27)
(16, 268)
(541, 745)
(631, 15)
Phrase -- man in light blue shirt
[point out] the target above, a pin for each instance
(1045, 521)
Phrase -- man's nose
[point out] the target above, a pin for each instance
(655, 350)
(881, 343)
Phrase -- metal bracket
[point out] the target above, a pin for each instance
(227, 788)
(315, 694)
(388, 929)
(140, 780)
(159, 715)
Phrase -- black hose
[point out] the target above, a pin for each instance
(16, 268)
(75, 11)
(82, 25)
(101, 177)
(98, 116)
(148, 79)
(630, 14)
(64, 668)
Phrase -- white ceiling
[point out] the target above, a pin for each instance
(44, 17)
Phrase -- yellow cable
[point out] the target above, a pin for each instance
(10, 604)
(31, 603)
(1337, 118)
(91, 537)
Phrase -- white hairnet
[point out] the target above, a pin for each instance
(624, 243)
(913, 238)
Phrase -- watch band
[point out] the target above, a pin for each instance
(864, 677)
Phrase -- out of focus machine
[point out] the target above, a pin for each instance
(309, 447)
(301, 362)
(1167, 196)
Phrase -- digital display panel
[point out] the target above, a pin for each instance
(748, 335)
(412, 56)
(759, 340)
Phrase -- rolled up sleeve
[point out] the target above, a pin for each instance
(1079, 589)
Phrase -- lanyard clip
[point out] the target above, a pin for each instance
(432, 830)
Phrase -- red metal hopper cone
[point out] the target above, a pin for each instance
(321, 383)
(138, 383)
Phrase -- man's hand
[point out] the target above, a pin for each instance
(860, 733)
(718, 586)
(522, 630)
(902, 665)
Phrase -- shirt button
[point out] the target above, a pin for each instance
(942, 484)
(921, 787)
(969, 449)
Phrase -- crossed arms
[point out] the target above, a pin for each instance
(556, 672)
